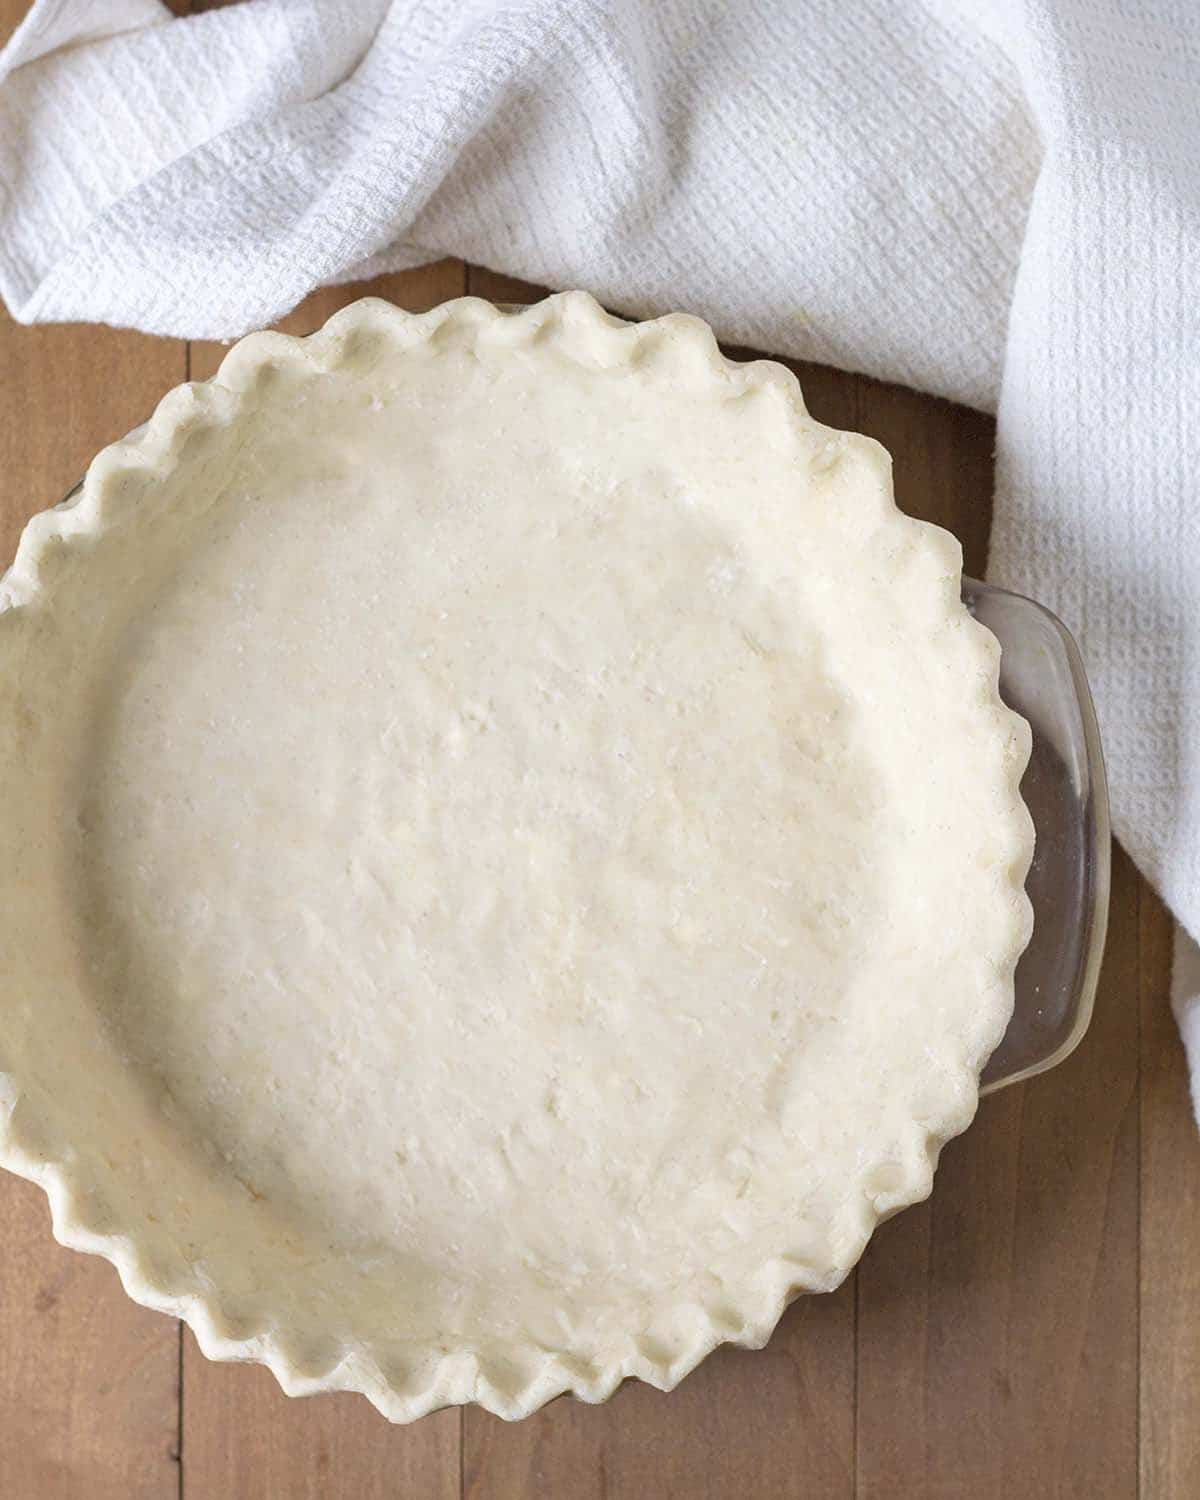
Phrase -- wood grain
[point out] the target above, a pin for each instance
(1032, 1331)
(498, 288)
(243, 1437)
(754, 1423)
(998, 1323)
(984, 1383)
(88, 1381)
(1170, 1235)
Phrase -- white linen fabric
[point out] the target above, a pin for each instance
(999, 203)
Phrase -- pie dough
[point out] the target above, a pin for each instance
(511, 858)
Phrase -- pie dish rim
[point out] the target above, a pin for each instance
(453, 1376)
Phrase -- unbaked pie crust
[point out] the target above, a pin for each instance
(511, 858)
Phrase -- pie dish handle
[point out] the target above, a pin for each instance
(1065, 789)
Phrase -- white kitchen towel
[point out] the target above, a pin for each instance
(996, 202)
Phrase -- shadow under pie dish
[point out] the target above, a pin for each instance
(512, 854)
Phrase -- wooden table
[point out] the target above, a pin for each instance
(1033, 1330)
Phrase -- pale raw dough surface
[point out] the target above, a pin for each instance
(521, 848)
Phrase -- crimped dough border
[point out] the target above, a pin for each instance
(444, 1377)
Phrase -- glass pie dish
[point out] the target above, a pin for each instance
(221, 821)
(1042, 678)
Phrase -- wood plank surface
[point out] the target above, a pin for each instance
(1032, 1331)
(998, 1322)
(1170, 1232)
(88, 1381)
(771, 1423)
(988, 1381)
